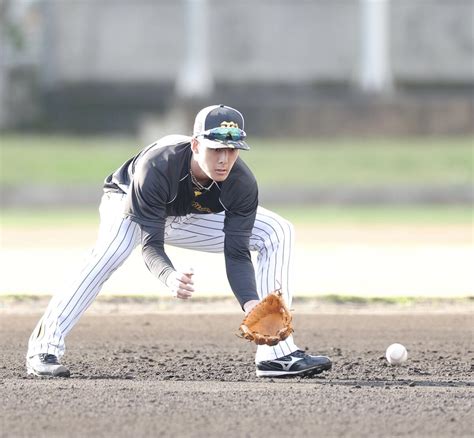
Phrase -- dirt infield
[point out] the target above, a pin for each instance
(187, 375)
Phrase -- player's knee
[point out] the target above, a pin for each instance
(289, 230)
(284, 232)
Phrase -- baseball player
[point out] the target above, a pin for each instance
(191, 192)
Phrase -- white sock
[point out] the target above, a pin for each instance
(283, 348)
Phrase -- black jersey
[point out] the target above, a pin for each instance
(158, 184)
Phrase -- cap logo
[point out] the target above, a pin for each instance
(229, 125)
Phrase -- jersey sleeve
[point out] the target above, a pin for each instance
(148, 195)
(153, 252)
(240, 201)
(146, 205)
(241, 210)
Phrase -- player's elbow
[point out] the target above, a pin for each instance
(236, 248)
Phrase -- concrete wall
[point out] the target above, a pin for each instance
(433, 40)
(102, 65)
(253, 41)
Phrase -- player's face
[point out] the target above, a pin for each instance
(215, 163)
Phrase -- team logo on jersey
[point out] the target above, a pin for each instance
(229, 125)
(200, 208)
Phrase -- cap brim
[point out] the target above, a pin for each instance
(214, 144)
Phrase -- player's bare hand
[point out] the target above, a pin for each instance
(181, 284)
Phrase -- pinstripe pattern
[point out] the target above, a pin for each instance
(117, 238)
(272, 237)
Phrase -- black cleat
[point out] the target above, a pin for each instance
(297, 363)
(46, 365)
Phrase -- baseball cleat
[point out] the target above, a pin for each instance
(46, 365)
(297, 363)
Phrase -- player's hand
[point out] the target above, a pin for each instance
(181, 284)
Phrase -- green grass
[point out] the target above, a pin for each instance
(61, 160)
(364, 162)
(367, 215)
(360, 215)
(72, 160)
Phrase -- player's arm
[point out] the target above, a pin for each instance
(240, 200)
(238, 225)
(159, 264)
(146, 205)
(239, 268)
(153, 252)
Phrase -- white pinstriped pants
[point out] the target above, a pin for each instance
(272, 237)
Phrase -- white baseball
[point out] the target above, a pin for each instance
(396, 354)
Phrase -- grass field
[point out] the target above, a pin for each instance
(72, 160)
(357, 215)
(69, 160)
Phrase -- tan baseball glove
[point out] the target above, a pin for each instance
(269, 322)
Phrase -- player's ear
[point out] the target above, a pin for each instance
(195, 145)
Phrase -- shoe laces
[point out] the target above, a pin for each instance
(48, 358)
(298, 353)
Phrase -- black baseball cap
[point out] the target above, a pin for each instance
(220, 116)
